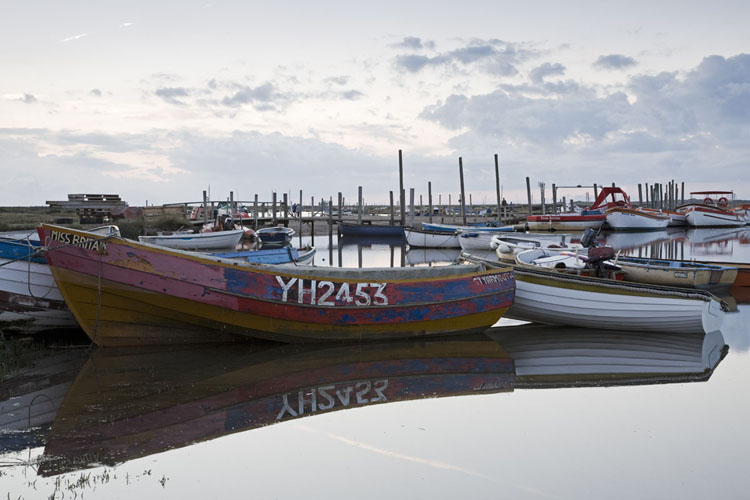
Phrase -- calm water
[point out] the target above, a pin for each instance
(528, 412)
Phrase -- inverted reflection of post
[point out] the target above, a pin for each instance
(359, 255)
(339, 248)
(393, 250)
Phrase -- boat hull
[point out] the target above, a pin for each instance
(688, 275)
(475, 240)
(565, 222)
(198, 241)
(450, 228)
(712, 217)
(370, 230)
(544, 297)
(30, 302)
(431, 239)
(126, 293)
(627, 219)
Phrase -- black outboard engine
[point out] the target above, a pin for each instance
(588, 240)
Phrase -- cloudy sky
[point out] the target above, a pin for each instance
(159, 100)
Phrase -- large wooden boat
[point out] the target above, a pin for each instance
(123, 293)
(677, 273)
(548, 296)
(113, 413)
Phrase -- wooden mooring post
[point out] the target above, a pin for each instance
(359, 205)
(463, 193)
(528, 194)
(402, 194)
(497, 190)
(429, 198)
(393, 210)
(411, 207)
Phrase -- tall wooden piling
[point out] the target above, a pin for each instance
(341, 207)
(411, 207)
(205, 208)
(392, 209)
(528, 194)
(640, 195)
(596, 191)
(359, 205)
(429, 198)
(402, 194)
(541, 197)
(273, 208)
(497, 191)
(463, 192)
(330, 223)
(255, 212)
(682, 192)
(554, 198)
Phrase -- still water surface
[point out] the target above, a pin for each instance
(527, 412)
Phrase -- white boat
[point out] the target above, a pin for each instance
(451, 228)
(713, 211)
(475, 240)
(430, 256)
(423, 238)
(507, 247)
(676, 219)
(553, 258)
(30, 301)
(196, 241)
(708, 216)
(635, 219)
(548, 296)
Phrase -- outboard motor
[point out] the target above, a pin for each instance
(597, 258)
(588, 240)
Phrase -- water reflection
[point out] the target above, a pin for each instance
(125, 404)
(129, 405)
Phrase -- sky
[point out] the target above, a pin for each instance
(158, 101)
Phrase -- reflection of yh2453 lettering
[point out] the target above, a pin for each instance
(322, 398)
(322, 292)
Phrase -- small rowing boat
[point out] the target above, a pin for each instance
(196, 241)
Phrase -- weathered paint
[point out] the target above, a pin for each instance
(119, 290)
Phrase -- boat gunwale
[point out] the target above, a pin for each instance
(439, 272)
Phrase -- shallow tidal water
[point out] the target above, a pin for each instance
(528, 411)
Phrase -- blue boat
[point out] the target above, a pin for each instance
(371, 230)
(284, 255)
(275, 235)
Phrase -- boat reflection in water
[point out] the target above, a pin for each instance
(127, 404)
